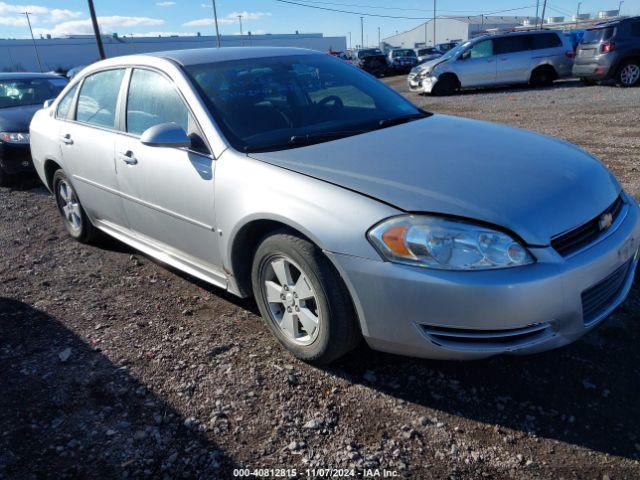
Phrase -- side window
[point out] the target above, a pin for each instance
(546, 40)
(65, 104)
(514, 44)
(635, 29)
(482, 49)
(99, 97)
(153, 100)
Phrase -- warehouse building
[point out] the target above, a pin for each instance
(75, 50)
(452, 29)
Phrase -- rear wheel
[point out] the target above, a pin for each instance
(73, 215)
(629, 74)
(587, 81)
(303, 299)
(543, 76)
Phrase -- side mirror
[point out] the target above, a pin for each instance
(166, 135)
(48, 102)
(465, 55)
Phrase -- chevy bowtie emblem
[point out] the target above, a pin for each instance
(606, 220)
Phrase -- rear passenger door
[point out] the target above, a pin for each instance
(87, 139)
(477, 66)
(514, 58)
(168, 192)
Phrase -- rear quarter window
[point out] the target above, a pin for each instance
(546, 40)
(65, 104)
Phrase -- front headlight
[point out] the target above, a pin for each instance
(443, 244)
(11, 137)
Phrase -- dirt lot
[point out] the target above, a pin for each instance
(112, 365)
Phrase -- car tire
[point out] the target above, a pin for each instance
(629, 74)
(73, 215)
(446, 85)
(5, 179)
(302, 299)
(543, 77)
(588, 81)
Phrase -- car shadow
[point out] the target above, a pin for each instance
(68, 411)
(585, 394)
(557, 85)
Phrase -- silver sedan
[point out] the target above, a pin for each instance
(294, 177)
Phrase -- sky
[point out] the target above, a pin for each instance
(187, 17)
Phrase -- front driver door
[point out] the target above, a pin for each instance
(168, 192)
(477, 66)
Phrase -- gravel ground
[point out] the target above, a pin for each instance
(114, 366)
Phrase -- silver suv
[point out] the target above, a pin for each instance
(536, 57)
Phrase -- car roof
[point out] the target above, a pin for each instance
(26, 75)
(613, 23)
(198, 56)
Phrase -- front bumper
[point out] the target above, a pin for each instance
(469, 315)
(15, 158)
(421, 84)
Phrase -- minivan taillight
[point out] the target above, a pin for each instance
(608, 47)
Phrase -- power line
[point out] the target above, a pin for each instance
(365, 14)
(380, 7)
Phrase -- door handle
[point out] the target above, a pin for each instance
(66, 139)
(128, 157)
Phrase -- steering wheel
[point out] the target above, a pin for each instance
(337, 102)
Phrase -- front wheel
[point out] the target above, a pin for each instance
(73, 215)
(629, 74)
(303, 299)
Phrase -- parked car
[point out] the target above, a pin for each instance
(445, 47)
(21, 94)
(371, 60)
(401, 60)
(321, 204)
(610, 51)
(537, 57)
(427, 53)
(74, 71)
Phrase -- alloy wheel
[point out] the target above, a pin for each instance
(630, 74)
(292, 301)
(69, 206)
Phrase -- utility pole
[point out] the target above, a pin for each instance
(378, 36)
(240, 20)
(578, 14)
(434, 22)
(361, 32)
(544, 10)
(537, 12)
(35, 47)
(215, 20)
(96, 30)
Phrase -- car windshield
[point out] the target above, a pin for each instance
(282, 102)
(403, 53)
(597, 35)
(17, 93)
(455, 51)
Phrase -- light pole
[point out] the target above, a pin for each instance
(538, 11)
(434, 22)
(35, 47)
(544, 9)
(96, 30)
(578, 14)
(350, 45)
(215, 20)
(362, 32)
(240, 20)
(378, 36)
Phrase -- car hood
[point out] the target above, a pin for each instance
(17, 119)
(533, 185)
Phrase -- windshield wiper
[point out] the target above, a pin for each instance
(389, 122)
(310, 138)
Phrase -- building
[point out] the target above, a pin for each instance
(75, 50)
(451, 29)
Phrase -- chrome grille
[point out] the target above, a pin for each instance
(598, 299)
(580, 237)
